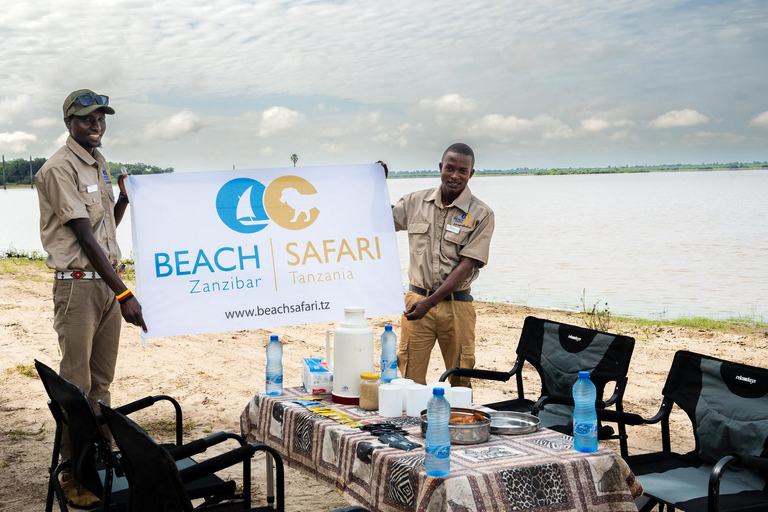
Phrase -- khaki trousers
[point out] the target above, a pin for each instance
(87, 318)
(452, 324)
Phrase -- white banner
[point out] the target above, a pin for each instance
(235, 250)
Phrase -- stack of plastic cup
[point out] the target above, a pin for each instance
(416, 398)
(390, 401)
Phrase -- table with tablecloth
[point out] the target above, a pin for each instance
(534, 471)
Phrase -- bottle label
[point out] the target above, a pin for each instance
(584, 429)
(274, 379)
(388, 364)
(438, 452)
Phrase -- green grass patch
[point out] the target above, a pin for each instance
(20, 433)
(12, 252)
(24, 268)
(26, 370)
(156, 427)
(731, 325)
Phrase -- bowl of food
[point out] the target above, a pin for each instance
(466, 426)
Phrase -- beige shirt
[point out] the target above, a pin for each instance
(439, 236)
(73, 184)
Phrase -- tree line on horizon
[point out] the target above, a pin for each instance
(17, 171)
(594, 170)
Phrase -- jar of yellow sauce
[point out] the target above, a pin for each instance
(369, 391)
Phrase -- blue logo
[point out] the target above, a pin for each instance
(240, 205)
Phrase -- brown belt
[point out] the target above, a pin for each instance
(459, 295)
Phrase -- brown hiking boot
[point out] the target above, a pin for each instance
(76, 495)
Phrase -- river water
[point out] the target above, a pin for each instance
(652, 245)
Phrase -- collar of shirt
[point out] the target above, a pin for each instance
(462, 202)
(89, 159)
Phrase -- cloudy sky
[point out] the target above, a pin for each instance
(208, 84)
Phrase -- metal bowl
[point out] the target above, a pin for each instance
(464, 433)
(511, 423)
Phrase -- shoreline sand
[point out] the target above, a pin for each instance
(214, 377)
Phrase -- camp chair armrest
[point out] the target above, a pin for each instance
(713, 492)
(618, 392)
(149, 401)
(561, 400)
(751, 462)
(477, 374)
(201, 445)
(625, 418)
(242, 454)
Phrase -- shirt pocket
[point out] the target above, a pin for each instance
(459, 238)
(93, 204)
(418, 236)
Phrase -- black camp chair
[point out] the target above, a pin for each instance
(727, 404)
(92, 462)
(155, 482)
(559, 352)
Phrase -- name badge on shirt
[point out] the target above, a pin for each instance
(92, 188)
(452, 229)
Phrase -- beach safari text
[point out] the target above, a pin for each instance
(233, 250)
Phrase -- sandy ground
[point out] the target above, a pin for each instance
(214, 377)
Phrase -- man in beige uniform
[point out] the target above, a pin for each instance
(78, 221)
(449, 234)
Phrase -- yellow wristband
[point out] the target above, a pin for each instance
(124, 294)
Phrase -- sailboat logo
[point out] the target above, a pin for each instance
(244, 212)
(240, 204)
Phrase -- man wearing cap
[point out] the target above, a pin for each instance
(449, 234)
(78, 220)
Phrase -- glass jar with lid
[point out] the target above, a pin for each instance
(369, 391)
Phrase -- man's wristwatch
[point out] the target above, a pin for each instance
(122, 198)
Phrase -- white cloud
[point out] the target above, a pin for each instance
(174, 127)
(267, 151)
(451, 104)
(277, 120)
(678, 118)
(501, 128)
(622, 135)
(333, 133)
(701, 138)
(760, 120)
(16, 142)
(62, 139)
(597, 124)
(9, 107)
(46, 122)
(333, 149)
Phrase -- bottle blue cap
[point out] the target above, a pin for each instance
(583, 375)
(438, 391)
(387, 327)
(273, 337)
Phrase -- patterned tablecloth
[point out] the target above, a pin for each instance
(524, 472)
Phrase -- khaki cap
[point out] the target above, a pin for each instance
(73, 107)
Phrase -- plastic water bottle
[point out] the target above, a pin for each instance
(388, 354)
(584, 415)
(438, 442)
(274, 366)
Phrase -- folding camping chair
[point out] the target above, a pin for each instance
(559, 352)
(155, 483)
(727, 404)
(96, 467)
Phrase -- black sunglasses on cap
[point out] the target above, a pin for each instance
(89, 99)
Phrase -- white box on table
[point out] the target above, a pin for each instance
(316, 377)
